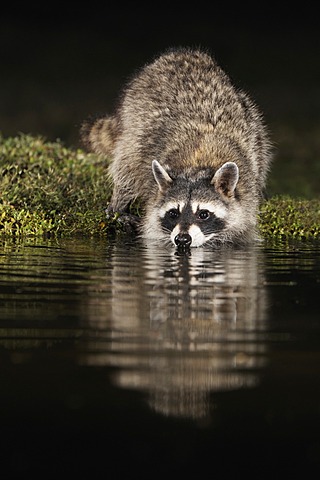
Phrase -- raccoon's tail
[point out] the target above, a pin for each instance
(99, 135)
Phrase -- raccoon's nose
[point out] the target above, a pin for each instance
(183, 240)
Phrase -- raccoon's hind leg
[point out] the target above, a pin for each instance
(119, 210)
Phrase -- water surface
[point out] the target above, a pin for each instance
(117, 357)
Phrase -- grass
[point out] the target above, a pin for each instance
(49, 190)
(286, 217)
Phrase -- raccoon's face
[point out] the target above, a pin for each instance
(194, 208)
(192, 224)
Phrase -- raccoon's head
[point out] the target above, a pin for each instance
(193, 207)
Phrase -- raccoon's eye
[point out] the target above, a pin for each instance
(174, 213)
(203, 214)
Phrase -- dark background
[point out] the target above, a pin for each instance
(59, 65)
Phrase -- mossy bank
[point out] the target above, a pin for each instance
(50, 190)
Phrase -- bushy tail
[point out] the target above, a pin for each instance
(99, 135)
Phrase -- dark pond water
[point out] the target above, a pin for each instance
(119, 360)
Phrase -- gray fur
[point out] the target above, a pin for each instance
(183, 111)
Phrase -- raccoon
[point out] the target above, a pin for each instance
(190, 146)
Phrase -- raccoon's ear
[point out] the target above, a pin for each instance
(162, 178)
(226, 178)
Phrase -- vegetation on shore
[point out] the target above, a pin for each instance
(50, 190)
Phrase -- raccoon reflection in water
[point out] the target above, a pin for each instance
(192, 147)
(183, 326)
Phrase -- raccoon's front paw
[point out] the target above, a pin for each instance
(128, 222)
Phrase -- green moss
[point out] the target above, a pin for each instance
(286, 217)
(48, 189)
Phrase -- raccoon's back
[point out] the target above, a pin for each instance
(181, 97)
(180, 105)
(175, 93)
